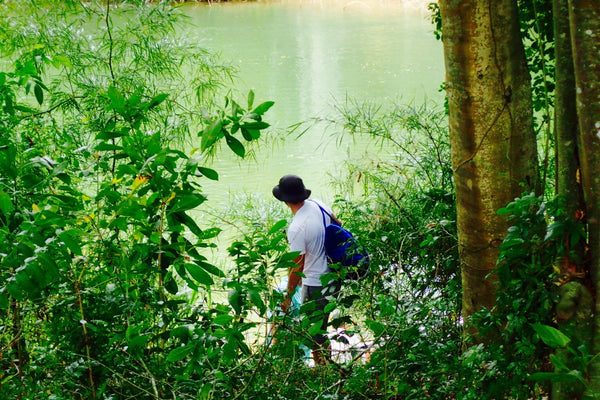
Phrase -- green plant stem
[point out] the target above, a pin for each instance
(85, 336)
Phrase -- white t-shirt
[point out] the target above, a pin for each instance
(306, 234)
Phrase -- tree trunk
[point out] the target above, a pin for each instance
(565, 113)
(568, 185)
(584, 19)
(492, 138)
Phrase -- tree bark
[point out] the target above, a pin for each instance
(584, 19)
(493, 143)
(568, 185)
(566, 127)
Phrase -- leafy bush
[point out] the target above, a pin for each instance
(98, 250)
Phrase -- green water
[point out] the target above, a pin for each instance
(305, 56)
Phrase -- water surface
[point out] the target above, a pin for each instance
(305, 56)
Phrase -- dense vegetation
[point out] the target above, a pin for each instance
(107, 290)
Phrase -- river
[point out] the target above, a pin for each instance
(306, 56)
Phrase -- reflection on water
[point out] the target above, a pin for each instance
(305, 55)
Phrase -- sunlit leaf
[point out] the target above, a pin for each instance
(158, 99)
(138, 181)
(262, 108)
(209, 173)
(278, 226)
(250, 98)
(235, 145)
(199, 274)
(210, 134)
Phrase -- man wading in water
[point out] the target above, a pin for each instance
(306, 234)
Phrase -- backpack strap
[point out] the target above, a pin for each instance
(323, 212)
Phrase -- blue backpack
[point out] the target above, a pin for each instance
(342, 249)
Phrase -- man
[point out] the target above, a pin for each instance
(306, 234)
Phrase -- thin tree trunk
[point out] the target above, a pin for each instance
(493, 144)
(568, 185)
(566, 127)
(584, 18)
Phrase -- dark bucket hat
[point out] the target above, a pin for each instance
(291, 189)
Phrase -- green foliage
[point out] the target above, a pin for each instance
(410, 303)
(100, 255)
(529, 266)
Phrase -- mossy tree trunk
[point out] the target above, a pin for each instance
(493, 143)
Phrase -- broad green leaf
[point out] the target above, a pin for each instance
(257, 301)
(235, 300)
(377, 327)
(262, 108)
(250, 98)
(39, 94)
(199, 274)
(316, 327)
(61, 60)
(8, 104)
(256, 125)
(254, 133)
(290, 256)
(103, 146)
(182, 218)
(211, 233)
(559, 362)
(180, 353)
(158, 99)
(110, 134)
(210, 268)
(6, 205)
(15, 290)
(278, 226)
(209, 173)
(223, 319)
(3, 301)
(246, 134)
(171, 285)
(551, 336)
(117, 101)
(187, 201)
(210, 134)
(235, 145)
(554, 377)
(71, 238)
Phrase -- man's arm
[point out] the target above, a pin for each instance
(293, 282)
